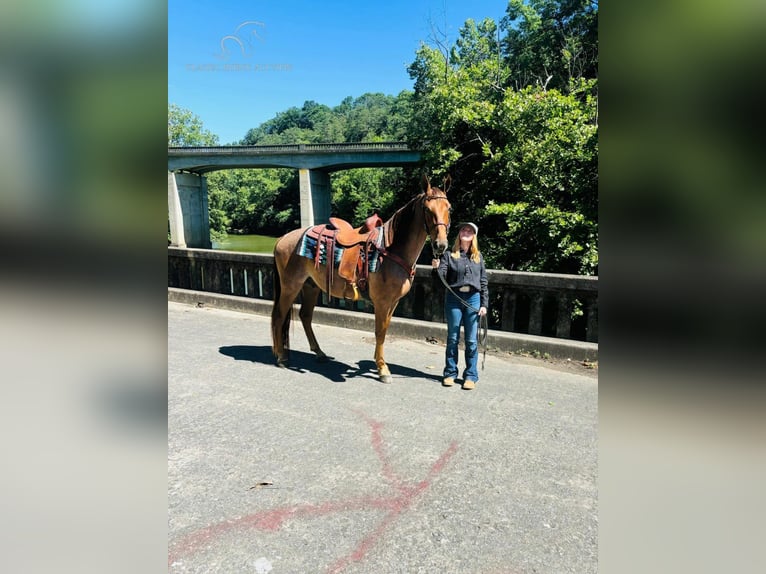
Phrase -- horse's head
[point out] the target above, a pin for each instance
(436, 213)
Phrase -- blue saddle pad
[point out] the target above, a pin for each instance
(308, 246)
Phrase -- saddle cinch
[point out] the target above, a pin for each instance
(355, 245)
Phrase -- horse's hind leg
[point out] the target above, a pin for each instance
(287, 284)
(310, 295)
(280, 323)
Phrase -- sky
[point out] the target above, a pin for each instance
(236, 64)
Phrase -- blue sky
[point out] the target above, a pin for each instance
(236, 64)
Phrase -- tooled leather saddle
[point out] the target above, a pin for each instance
(356, 245)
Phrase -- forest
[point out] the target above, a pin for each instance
(509, 111)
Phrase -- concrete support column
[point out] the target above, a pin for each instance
(315, 196)
(188, 210)
(175, 214)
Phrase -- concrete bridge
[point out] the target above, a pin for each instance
(187, 187)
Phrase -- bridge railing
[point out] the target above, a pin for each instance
(552, 305)
(290, 148)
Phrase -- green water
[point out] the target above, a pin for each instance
(248, 243)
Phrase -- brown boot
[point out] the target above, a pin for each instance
(448, 381)
(468, 384)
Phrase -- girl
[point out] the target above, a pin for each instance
(465, 301)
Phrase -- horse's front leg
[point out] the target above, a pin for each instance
(382, 320)
(310, 296)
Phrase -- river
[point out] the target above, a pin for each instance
(247, 243)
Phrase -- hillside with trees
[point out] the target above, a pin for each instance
(509, 110)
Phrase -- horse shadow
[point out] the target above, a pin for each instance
(335, 371)
(368, 369)
(300, 361)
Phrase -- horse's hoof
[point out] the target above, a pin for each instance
(283, 364)
(386, 379)
(323, 359)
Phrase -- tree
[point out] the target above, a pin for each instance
(370, 117)
(550, 43)
(185, 129)
(549, 165)
(263, 201)
(358, 193)
(523, 160)
(476, 43)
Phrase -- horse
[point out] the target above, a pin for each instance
(400, 241)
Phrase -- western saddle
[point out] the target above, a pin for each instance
(356, 244)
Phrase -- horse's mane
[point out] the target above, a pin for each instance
(395, 221)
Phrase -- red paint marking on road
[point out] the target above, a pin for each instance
(273, 519)
(378, 445)
(402, 503)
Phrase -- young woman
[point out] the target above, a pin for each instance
(465, 301)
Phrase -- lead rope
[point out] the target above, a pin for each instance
(483, 321)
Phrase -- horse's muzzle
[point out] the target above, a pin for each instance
(439, 247)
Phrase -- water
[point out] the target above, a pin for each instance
(247, 243)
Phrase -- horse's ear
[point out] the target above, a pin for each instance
(426, 183)
(447, 183)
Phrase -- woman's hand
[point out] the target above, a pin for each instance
(435, 263)
(482, 311)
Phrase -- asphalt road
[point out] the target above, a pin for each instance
(321, 468)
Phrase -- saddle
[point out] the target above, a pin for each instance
(355, 244)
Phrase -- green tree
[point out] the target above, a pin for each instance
(370, 117)
(186, 129)
(358, 193)
(550, 43)
(523, 161)
(262, 201)
(476, 43)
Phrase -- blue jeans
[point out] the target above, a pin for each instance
(456, 313)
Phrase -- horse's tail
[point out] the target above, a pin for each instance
(279, 331)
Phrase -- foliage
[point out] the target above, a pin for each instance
(523, 155)
(370, 117)
(549, 43)
(546, 237)
(254, 200)
(358, 193)
(185, 129)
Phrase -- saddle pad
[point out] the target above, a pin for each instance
(308, 245)
(373, 256)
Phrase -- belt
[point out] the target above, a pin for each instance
(464, 289)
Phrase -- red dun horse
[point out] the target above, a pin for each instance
(402, 240)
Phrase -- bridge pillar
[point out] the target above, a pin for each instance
(315, 196)
(188, 211)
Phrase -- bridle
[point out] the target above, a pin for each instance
(383, 249)
(426, 199)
